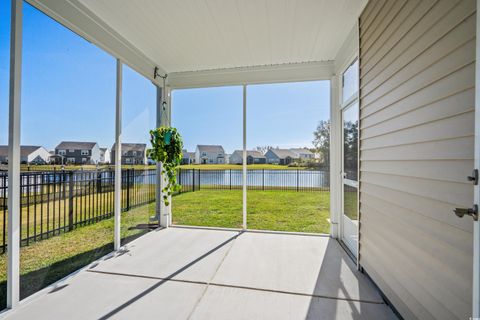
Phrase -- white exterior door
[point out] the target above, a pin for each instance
(476, 226)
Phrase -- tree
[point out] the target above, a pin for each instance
(263, 149)
(350, 148)
(321, 141)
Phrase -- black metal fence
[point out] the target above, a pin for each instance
(257, 179)
(54, 202)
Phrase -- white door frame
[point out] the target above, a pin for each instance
(352, 183)
(339, 149)
(476, 227)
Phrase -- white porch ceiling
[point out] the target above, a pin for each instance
(184, 36)
(192, 35)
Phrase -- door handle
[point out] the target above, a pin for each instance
(460, 212)
(474, 177)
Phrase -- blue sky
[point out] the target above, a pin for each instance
(68, 93)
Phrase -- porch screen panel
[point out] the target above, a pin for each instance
(68, 112)
(288, 185)
(210, 122)
(138, 171)
(417, 61)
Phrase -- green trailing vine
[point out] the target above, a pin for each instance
(167, 147)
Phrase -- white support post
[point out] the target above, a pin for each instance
(335, 160)
(244, 162)
(13, 246)
(118, 158)
(169, 122)
(163, 119)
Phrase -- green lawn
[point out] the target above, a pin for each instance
(278, 210)
(350, 206)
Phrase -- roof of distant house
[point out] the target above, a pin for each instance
(24, 150)
(283, 153)
(210, 148)
(301, 150)
(76, 145)
(103, 149)
(186, 154)
(251, 153)
(132, 147)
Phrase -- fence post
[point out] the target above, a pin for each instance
(64, 183)
(193, 180)
(127, 177)
(297, 179)
(70, 200)
(230, 179)
(263, 179)
(132, 184)
(180, 180)
(199, 179)
(99, 182)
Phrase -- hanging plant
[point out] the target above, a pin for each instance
(167, 148)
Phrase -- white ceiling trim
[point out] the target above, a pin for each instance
(76, 17)
(307, 71)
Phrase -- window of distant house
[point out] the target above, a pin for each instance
(134, 153)
(84, 152)
(125, 153)
(71, 150)
(204, 154)
(62, 152)
(70, 159)
(350, 81)
(127, 160)
(84, 160)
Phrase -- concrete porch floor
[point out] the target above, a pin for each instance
(184, 273)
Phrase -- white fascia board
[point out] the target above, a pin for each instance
(307, 71)
(348, 51)
(75, 16)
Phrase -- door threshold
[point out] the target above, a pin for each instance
(347, 250)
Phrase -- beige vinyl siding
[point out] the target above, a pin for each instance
(417, 78)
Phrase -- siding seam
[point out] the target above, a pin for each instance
(407, 63)
(442, 222)
(380, 33)
(419, 107)
(464, 66)
(470, 110)
(410, 193)
(404, 34)
(418, 142)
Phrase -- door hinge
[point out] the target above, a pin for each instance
(460, 212)
(474, 177)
